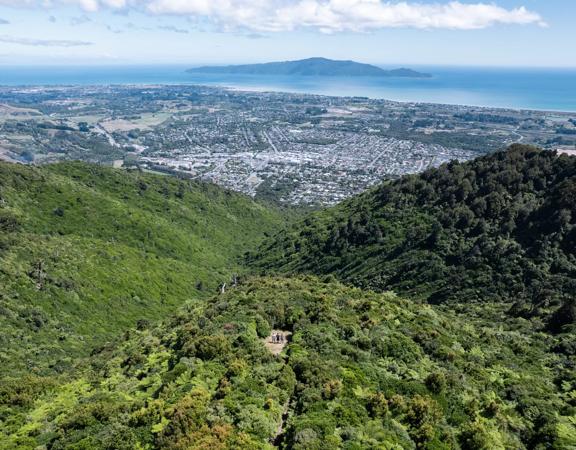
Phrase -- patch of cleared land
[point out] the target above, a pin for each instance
(8, 112)
(276, 347)
(146, 122)
(90, 119)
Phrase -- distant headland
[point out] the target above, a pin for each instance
(312, 67)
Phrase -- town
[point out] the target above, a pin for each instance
(294, 149)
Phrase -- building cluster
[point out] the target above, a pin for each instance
(293, 148)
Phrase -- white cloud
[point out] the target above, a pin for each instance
(42, 42)
(173, 29)
(328, 16)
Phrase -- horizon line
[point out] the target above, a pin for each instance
(195, 63)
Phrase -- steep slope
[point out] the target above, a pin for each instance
(86, 251)
(500, 228)
(362, 370)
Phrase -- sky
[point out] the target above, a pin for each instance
(522, 33)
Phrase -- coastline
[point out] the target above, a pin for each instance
(542, 90)
(270, 90)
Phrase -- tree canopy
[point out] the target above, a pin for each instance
(500, 228)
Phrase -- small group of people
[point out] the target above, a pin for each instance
(278, 338)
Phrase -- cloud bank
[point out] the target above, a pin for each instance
(42, 42)
(327, 16)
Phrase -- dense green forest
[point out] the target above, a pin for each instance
(501, 228)
(87, 251)
(362, 370)
(432, 312)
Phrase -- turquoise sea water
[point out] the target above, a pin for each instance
(542, 89)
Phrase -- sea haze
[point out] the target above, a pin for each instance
(540, 89)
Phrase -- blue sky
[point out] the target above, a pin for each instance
(536, 33)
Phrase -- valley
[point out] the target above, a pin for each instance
(287, 225)
(87, 251)
(146, 311)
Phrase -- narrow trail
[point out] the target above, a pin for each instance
(275, 343)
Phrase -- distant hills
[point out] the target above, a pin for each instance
(312, 67)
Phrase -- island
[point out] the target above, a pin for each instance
(311, 67)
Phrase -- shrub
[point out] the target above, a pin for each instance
(9, 222)
(435, 382)
(377, 405)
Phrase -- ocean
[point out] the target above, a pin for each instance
(538, 89)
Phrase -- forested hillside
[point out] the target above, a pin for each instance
(113, 335)
(362, 370)
(87, 251)
(501, 228)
